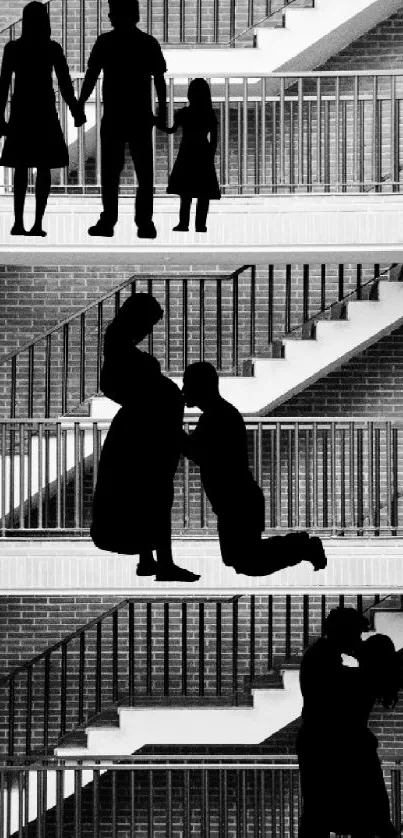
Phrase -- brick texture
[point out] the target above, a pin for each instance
(275, 628)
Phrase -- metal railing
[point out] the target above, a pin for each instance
(316, 132)
(332, 476)
(147, 651)
(76, 23)
(224, 319)
(252, 794)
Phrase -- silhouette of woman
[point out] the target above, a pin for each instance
(193, 174)
(342, 785)
(33, 134)
(134, 492)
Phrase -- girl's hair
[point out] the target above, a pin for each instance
(136, 312)
(199, 95)
(35, 22)
(381, 663)
(342, 621)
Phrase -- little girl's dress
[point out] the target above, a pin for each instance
(194, 173)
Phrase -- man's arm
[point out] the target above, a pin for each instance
(94, 68)
(5, 81)
(161, 91)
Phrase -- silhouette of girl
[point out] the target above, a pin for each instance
(342, 785)
(134, 492)
(33, 134)
(193, 174)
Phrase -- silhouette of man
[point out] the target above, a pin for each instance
(128, 59)
(219, 447)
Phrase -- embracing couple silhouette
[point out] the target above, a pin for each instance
(342, 676)
(135, 487)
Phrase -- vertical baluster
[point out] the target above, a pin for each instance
(235, 324)
(40, 475)
(395, 466)
(167, 326)
(63, 689)
(270, 632)
(132, 647)
(186, 487)
(98, 111)
(394, 133)
(287, 627)
(151, 803)
(100, 317)
(252, 328)
(333, 500)
(184, 666)
(201, 318)
(290, 480)
(262, 181)
(278, 515)
(3, 478)
(305, 621)
(96, 801)
(318, 131)
(322, 287)
(77, 803)
(351, 438)
(377, 480)
(82, 36)
(388, 463)
(252, 619)
(28, 718)
(31, 368)
(325, 483)
(82, 357)
(13, 391)
(219, 324)
(186, 803)
(22, 474)
(245, 122)
(287, 312)
(282, 130)
(81, 678)
(375, 118)
(184, 323)
(227, 117)
(205, 824)
(235, 649)
(150, 16)
(274, 146)
(296, 516)
(370, 448)
(307, 464)
(222, 803)
(166, 648)
(182, 21)
(305, 294)
(218, 608)
(46, 703)
(165, 22)
(48, 367)
(199, 29)
(270, 289)
(65, 368)
(342, 460)
(396, 789)
(115, 656)
(59, 802)
(171, 112)
(341, 282)
(232, 21)
(201, 648)
(149, 629)
(300, 132)
(360, 488)
(358, 285)
(355, 131)
(77, 475)
(11, 716)
(98, 669)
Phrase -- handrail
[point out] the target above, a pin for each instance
(250, 419)
(280, 11)
(4, 359)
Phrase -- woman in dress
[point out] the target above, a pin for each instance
(33, 136)
(193, 174)
(341, 678)
(134, 492)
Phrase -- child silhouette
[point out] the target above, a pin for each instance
(33, 134)
(193, 174)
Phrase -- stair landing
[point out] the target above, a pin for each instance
(241, 229)
(76, 566)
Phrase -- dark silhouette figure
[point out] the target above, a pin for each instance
(193, 174)
(34, 137)
(219, 447)
(342, 784)
(134, 492)
(128, 59)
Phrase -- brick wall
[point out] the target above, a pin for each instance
(369, 385)
(29, 625)
(278, 305)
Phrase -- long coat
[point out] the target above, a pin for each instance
(134, 492)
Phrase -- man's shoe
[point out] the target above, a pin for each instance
(101, 228)
(180, 229)
(316, 553)
(173, 573)
(147, 232)
(148, 568)
(201, 229)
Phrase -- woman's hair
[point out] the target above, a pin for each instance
(381, 664)
(35, 22)
(343, 621)
(199, 95)
(137, 312)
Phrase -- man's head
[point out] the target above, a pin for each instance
(200, 385)
(124, 12)
(343, 627)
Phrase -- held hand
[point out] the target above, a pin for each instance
(79, 117)
(349, 660)
(160, 121)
